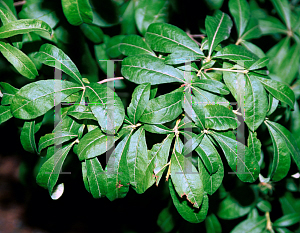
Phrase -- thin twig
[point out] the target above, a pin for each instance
(191, 36)
(202, 36)
(110, 79)
(20, 3)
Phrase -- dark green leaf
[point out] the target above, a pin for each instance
(113, 45)
(165, 220)
(148, 69)
(193, 141)
(77, 11)
(84, 176)
(264, 206)
(8, 92)
(35, 99)
(81, 112)
(134, 45)
(27, 136)
(262, 62)
(212, 86)
(287, 220)
(92, 32)
(240, 11)
(251, 225)
(254, 145)
(284, 11)
(271, 25)
(160, 129)
(179, 57)
(204, 98)
(212, 224)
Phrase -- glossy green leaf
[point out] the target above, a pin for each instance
(218, 28)
(134, 45)
(271, 25)
(77, 11)
(239, 158)
(9, 5)
(8, 92)
(212, 86)
(158, 161)
(289, 140)
(45, 11)
(281, 159)
(255, 102)
(50, 170)
(92, 32)
(27, 136)
(186, 179)
(101, 56)
(287, 220)
(193, 108)
(96, 178)
(19, 60)
(148, 69)
(218, 117)
(84, 176)
(253, 48)
(237, 54)
(212, 224)
(240, 11)
(254, 145)
(167, 38)
(264, 206)
(230, 208)
(251, 225)
(147, 13)
(52, 56)
(106, 106)
(113, 45)
(118, 178)
(262, 62)
(94, 143)
(160, 129)
(139, 101)
(137, 159)
(209, 155)
(81, 112)
(279, 90)
(185, 209)
(211, 182)
(35, 99)
(55, 138)
(204, 98)
(193, 140)
(163, 109)
(23, 26)
(283, 9)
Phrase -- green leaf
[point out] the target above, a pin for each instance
(163, 109)
(9, 5)
(211, 182)
(84, 176)
(77, 11)
(50, 170)
(147, 13)
(251, 225)
(137, 159)
(218, 117)
(287, 220)
(218, 28)
(264, 206)
(92, 32)
(166, 38)
(81, 112)
(271, 25)
(283, 9)
(289, 204)
(134, 45)
(55, 138)
(289, 140)
(118, 178)
(159, 129)
(8, 92)
(165, 220)
(255, 102)
(253, 48)
(106, 106)
(113, 45)
(19, 60)
(262, 62)
(209, 155)
(96, 178)
(193, 108)
(186, 179)
(230, 208)
(237, 54)
(52, 56)
(35, 99)
(254, 145)
(281, 159)
(180, 57)
(279, 90)
(193, 140)
(185, 209)
(139, 101)
(212, 86)
(148, 69)
(239, 157)
(94, 143)
(101, 56)
(158, 161)
(240, 11)
(23, 26)
(204, 98)
(212, 224)
(27, 136)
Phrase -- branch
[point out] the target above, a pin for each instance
(20, 3)
(110, 79)
(192, 37)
